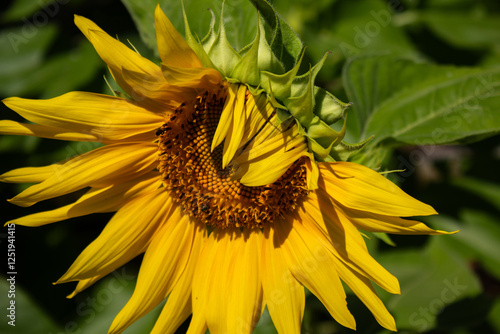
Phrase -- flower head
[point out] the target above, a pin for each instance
(223, 169)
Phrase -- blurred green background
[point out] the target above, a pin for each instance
(450, 284)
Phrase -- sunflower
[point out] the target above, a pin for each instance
(224, 171)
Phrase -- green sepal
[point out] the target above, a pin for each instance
(267, 59)
(323, 134)
(385, 238)
(273, 100)
(247, 69)
(282, 115)
(301, 82)
(320, 153)
(195, 43)
(281, 83)
(211, 36)
(343, 151)
(328, 107)
(222, 53)
(301, 107)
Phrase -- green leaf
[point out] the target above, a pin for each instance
(494, 316)
(399, 100)
(240, 19)
(142, 13)
(21, 9)
(449, 4)
(485, 189)
(464, 30)
(285, 43)
(22, 53)
(27, 70)
(477, 240)
(265, 324)
(83, 63)
(430, 280)
(355, 28)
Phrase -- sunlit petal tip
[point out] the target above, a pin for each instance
(71, 295)
(444, 232)
(25, 203)
(64, 279)
(8, 100)
(84, 24)
(14, 102)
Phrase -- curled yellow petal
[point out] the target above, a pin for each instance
(172, 47)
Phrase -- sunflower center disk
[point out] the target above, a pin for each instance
(196, 180)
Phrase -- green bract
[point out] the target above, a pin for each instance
(258, 67)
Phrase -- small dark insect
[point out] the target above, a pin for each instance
(204, 207)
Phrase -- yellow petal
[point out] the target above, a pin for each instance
(226, 117)
(372, 222)
(84, 284)
(8, 127)
(163, 263)
(358, 187)
(105, 164)
(202, 284)
(172, 47)
(276, 143)
(105, 117)
(197, 326)
(271, 168)
(192, 78)
(29, 174)
(96, 200)
(117, 55)
(258, 112)
(269, 155)
(237, 127)
(312, 172)
(170, 96)
(284, 296)
(362, 287)
(125, 236)
(117, 195)
(245, 302)
(178, 306)
(227, 291)
(341, 238)
(313, 266)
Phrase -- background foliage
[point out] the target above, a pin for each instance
(424, 76)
